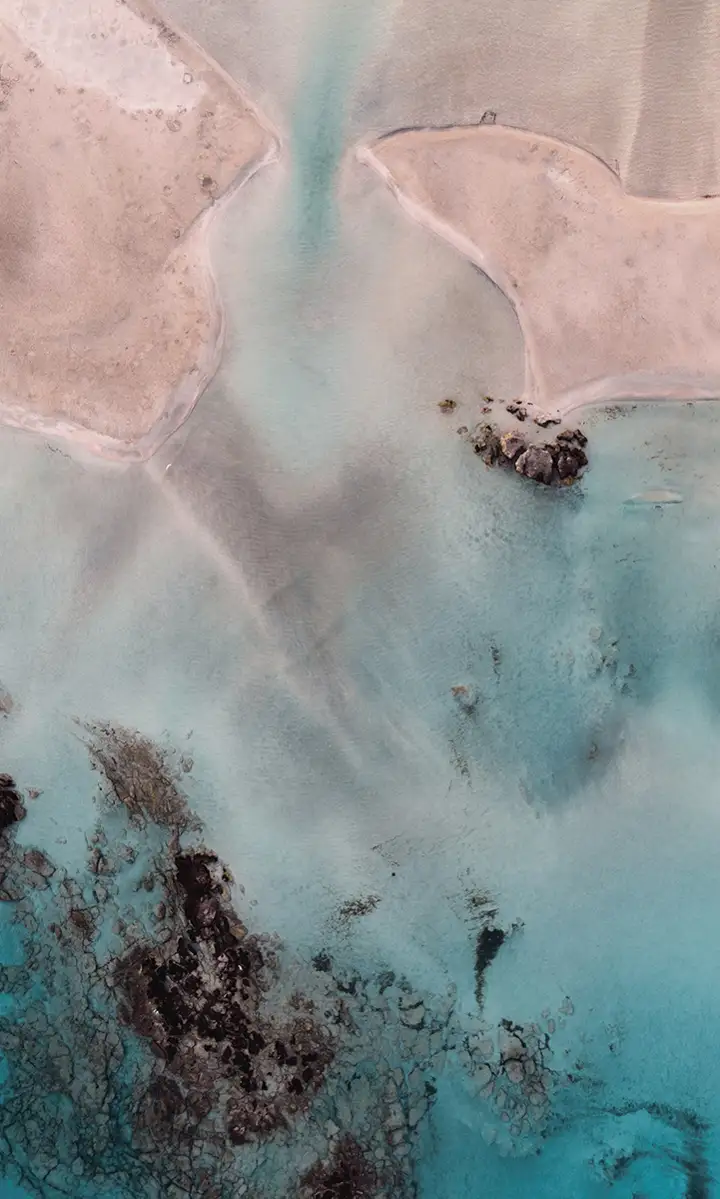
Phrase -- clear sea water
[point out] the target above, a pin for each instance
(291, 590)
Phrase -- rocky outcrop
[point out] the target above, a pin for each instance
(555, 463)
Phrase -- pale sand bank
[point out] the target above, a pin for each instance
(617, 296)
(119, 140)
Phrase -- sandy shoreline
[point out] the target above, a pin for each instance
(109, 303)
(617, 296)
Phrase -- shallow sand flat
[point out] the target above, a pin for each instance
(119, 137)
(616, 296)
(634, 81)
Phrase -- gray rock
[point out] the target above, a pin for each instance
(36, 861)
(536, 463)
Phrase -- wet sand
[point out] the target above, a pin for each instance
(121, 140)
(617, 296)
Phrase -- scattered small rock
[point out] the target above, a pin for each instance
(447, 405)
(346, 1174)
(487, 946)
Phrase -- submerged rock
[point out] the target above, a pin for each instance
(512, 445)
(347, 1174)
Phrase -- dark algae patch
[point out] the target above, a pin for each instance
(12, 809)
(487, 946)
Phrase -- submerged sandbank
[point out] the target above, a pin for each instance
(121, 140)
(617, 296)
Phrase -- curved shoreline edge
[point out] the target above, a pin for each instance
(195, 241)
(613, 388)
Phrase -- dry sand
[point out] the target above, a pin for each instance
(119, 139)
(617, 296)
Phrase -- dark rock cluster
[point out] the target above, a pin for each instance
(346, 1174)
(691, 1157)
(552, 463)
(198, 995)
(12, 809)
(199, 1000)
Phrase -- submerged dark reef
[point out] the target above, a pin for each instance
(555, 462)
(154, 1046)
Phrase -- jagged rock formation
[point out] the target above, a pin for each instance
(561, 461)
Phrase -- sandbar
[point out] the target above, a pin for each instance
(617, 296)
(120, 140)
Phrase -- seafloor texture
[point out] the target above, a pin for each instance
(358, 813)
(615, 295)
